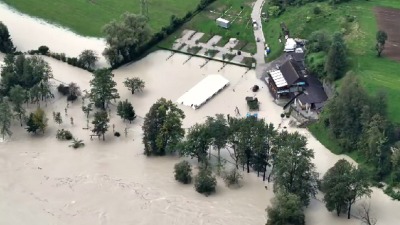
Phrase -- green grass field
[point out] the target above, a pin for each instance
(375, 73)
(87, 17)
(205, 22)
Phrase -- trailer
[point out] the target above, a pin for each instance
(223, 23)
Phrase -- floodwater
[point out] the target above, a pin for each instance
(43, 181)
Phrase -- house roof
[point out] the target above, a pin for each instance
(291, 71)
(298, 57)
(278, 78)
(314, 92)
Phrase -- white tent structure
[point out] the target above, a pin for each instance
(203, 91)
(290, 45)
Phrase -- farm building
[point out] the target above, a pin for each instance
(203, 91)
(223, 23)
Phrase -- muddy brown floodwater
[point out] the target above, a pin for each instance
(43, 181)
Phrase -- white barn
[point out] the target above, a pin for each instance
(203, 91)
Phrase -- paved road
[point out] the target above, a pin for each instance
(259, 56)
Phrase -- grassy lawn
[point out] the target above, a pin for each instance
(375, 73)
(87, 17)
(240, 29)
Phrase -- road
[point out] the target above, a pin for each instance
(258, 33)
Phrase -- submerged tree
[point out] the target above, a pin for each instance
(100, 123)
(37, 121)
(183, 172)
(197, 142)
(294, 172)
(125, 111)
(286, 209)
(88, 58)
(6, 45)
(103, 88)
(125, 37)
(205, 182)
(343, 184)
(57, 117)
(219, 132)
(5, 118)
(18, 96)
(134, 84)
(162, 128)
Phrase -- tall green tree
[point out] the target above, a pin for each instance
(125, 111)
(18, 96)
(286, 209)
(37, 121)
(88, 58)
(381, 37)
(125, 37)
(162, 128)
(294, 172)
(263, 141)
(336, 62)
(100, 123)
(134, 84)
(6, 44)
(219, 131)
(343, 185)
(5, 118)
(197, 143)
(103, 88)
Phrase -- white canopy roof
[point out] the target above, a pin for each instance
(203, 91)
(223, 20)
(278, 78)
(290, 45)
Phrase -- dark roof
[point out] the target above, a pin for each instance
(314, 92)
(291, 71)
(298, 57)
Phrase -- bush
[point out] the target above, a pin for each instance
(72, 98)
(205, 182)
(64, 135)
(63, 89)
(183, 172)
(232, 177)
(317, 10)
(44, 50)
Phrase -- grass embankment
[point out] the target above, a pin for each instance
(375, 73)
(231, 10)
(87, 17)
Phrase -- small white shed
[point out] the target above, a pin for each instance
(223, 23)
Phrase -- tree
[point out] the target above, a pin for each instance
(74, 91)
(87, 109)
(343, 184)
(37, 121)
(183, 172)
(232, 177)
(197, 142)
(205, 182)
(18, 96)
(125, 111)
(162, 128)
(124, 38)
(336, 62)
(364, 213)
(286, 209)
(57, 117)
(88, 58)
(219, 132)
(294, 172)
(6, 45)
(318, 41)
(100, 123)
(134, 84)
(395, 159)
(5, 118)
(381, 37)
(103, 88)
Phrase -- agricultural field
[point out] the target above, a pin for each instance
(375, 73)
(87, 17)
(238, 12)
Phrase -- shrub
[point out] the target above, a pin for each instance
(183, 172)
(72, 98)
(205, 182)
(64, 135)
(44, 50)
(317, 10)
(232, 177)
(63, 89)
(117, 134)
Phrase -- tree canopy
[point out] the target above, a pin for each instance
(286, 209)
(381, 37)
(6, 44)
(125, 111)
(134, 84)
(125, 37)
(343, 184)
(37, 121)
(88, 58)
(336, 62)
(162, 128)
(5, 118)
(103, 88)
(100, 123)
